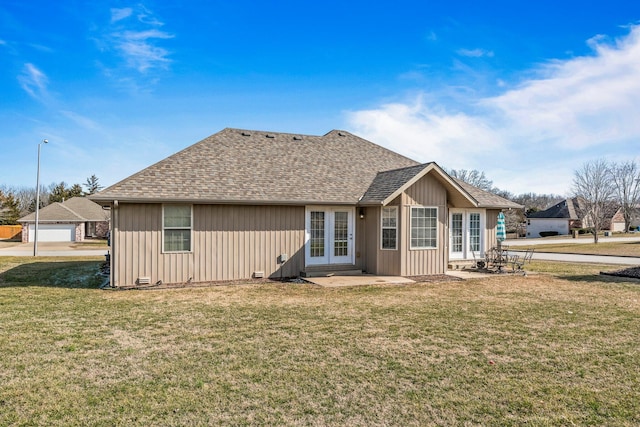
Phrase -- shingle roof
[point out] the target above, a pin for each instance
(387, 182)
(244, 166)
(569, 209)
(76, 209)
(486, 199)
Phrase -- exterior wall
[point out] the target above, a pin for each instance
(228, 242)
(79, 230)
(490, 230)
(416, 262)
(536, 225)
(102, 229)
(370, 239)
(389, 260)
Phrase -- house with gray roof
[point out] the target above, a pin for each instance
(243, 203)
(73, 220)
(572, 214)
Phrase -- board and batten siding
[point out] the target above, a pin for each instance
(426, 192)
(491, 229)
(229, 242)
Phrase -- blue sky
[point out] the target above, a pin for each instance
(524, 91)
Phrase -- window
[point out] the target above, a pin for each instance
(474, 232)
(424, 228)
(317, 233)
(177, 228)
(389, 227)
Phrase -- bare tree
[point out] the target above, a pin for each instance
(473, 177)
(592, 184)
(625, 178)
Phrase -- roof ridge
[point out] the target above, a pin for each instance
(71, 210)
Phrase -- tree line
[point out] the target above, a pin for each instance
(16, 202)
(603, 187)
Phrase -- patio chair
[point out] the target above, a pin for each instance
(518, 262)
(479, 263)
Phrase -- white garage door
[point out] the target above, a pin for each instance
(53, 232)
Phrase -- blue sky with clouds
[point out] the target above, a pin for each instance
(524, 91)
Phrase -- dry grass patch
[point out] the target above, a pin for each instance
(601, 248)
(542, 350)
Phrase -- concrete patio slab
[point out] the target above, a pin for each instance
(365, 279)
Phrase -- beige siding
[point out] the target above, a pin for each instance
(430, 193)
(389, 260)
(229, 242)
(490, 229)
(370, 239)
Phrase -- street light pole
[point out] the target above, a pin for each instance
(35, 235)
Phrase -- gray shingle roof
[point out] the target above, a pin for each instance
(486, 199)
(387, 182)
(243, 166)
(76, 209)
(569, 209)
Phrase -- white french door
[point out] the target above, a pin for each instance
(465, 233)
(329, 235)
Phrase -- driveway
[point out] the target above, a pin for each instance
(8, 248)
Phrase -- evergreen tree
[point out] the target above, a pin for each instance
(92, 185)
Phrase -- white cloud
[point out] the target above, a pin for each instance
(134, 36)
(475, 53)
(572, 111)
(120, 14)
(33, 81)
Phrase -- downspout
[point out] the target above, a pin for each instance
(114, 235)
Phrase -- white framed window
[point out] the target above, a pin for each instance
(389, 223)
(177, 223)
(424, 227)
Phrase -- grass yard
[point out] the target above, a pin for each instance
(601, 248)
(559, 348)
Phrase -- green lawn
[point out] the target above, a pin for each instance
(559, 348)
(600, 248)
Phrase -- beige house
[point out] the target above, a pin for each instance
(242, 204)
(73, 220)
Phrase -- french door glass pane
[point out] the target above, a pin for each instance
(317, 234)
(474, 232)
(340, 234)
(456, 232)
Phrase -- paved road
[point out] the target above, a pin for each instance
(50, 249)
(590, 259)
(568, 240)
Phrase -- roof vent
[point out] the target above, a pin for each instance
(297, 138)
(246, 134)
(270, 136)
(341, 134)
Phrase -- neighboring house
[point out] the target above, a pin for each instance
(242, 204)
(561, 218)
(73, 220)
(617, 222)
(568, 215)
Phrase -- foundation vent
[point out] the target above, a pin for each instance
(258, 274)
(144, 280)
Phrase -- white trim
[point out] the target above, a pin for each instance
(411, 247)
(382, 227)
(328, 258)
(466, 233)
(164, 205)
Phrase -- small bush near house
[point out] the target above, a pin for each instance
(548, 233)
